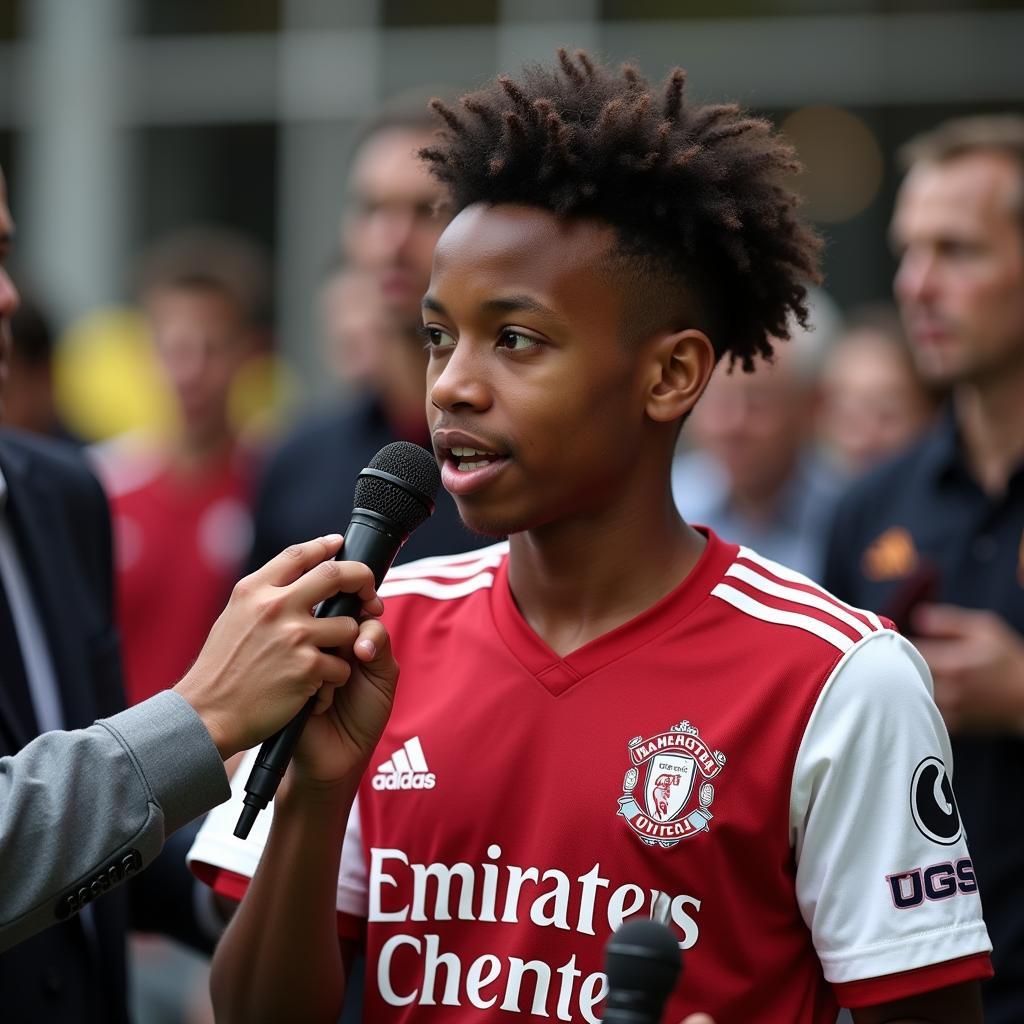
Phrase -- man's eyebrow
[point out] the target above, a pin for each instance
(519, 304)
(506, 304)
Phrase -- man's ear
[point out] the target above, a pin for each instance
(681, 365)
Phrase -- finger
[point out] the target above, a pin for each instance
(332, 669)
(943, 656)
(335, 631)
(324, 698)
(329, 578)
(698, 1018)
(295, 561)
(948, 698)
(942, 620)
(373, 649)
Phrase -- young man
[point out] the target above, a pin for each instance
(180, 503)
(944, 523)
(615, 715)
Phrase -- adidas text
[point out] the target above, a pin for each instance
(405, 780)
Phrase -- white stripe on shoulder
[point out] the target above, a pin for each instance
(767, 586)
(785, 573)
(452, 566)
(745, 603)
(451, 571)
(432, 588)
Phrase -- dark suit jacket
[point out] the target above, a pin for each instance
(61, 525)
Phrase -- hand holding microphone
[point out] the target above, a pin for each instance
(265, 654)
(394, 495)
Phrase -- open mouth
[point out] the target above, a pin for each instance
(466, 460)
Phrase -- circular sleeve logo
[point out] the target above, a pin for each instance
(932, 803)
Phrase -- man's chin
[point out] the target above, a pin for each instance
(488, 531)
(937, 369)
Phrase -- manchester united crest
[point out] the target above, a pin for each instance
(659, 787)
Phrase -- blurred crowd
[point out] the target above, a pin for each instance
(882, 452)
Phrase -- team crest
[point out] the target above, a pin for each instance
(671, 764)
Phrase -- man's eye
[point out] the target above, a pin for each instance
(435, 338)
(516, 341)
(958, 250)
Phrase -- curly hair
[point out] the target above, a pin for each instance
(707, 234)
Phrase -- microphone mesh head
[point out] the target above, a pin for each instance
(642, 960)
(407, 505)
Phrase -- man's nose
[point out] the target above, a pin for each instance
(396, 227)
(915, 277)
(10, 300)
(461, 382)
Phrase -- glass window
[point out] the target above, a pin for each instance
(184, 17)
(215, 174)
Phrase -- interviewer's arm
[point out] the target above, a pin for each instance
(80, 811)
(83, 809)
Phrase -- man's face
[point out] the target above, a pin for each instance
(960, 282)
(392, 225)
(527, 366)
(756, 424)
(872, 402)
(9, 299)
(202, 342)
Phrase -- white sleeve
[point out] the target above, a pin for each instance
(217, 847)
(884, 878)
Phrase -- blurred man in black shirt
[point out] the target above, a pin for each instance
(935, 539)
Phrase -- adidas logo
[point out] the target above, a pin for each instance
(406, 768)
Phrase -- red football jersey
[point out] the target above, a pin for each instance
(180, 542)
(750, 761)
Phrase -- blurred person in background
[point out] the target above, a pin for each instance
(391, 223)
(181, 508)
(356, 327)
(874, 402)
(935, 537)
(181, 503)
(754, 472)
(29, 403)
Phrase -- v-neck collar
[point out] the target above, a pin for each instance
(557, 674)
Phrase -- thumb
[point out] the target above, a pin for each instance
(942, 620)
(373, 650)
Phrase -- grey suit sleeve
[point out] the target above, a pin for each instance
(81, 811)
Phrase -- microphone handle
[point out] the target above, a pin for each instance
(374, 540)
(625, 1015)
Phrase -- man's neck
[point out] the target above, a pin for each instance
(193, 451)
(760, 508)
(991, 421)
(575, 581)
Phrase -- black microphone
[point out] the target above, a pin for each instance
(394, 495)
(642, 961)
